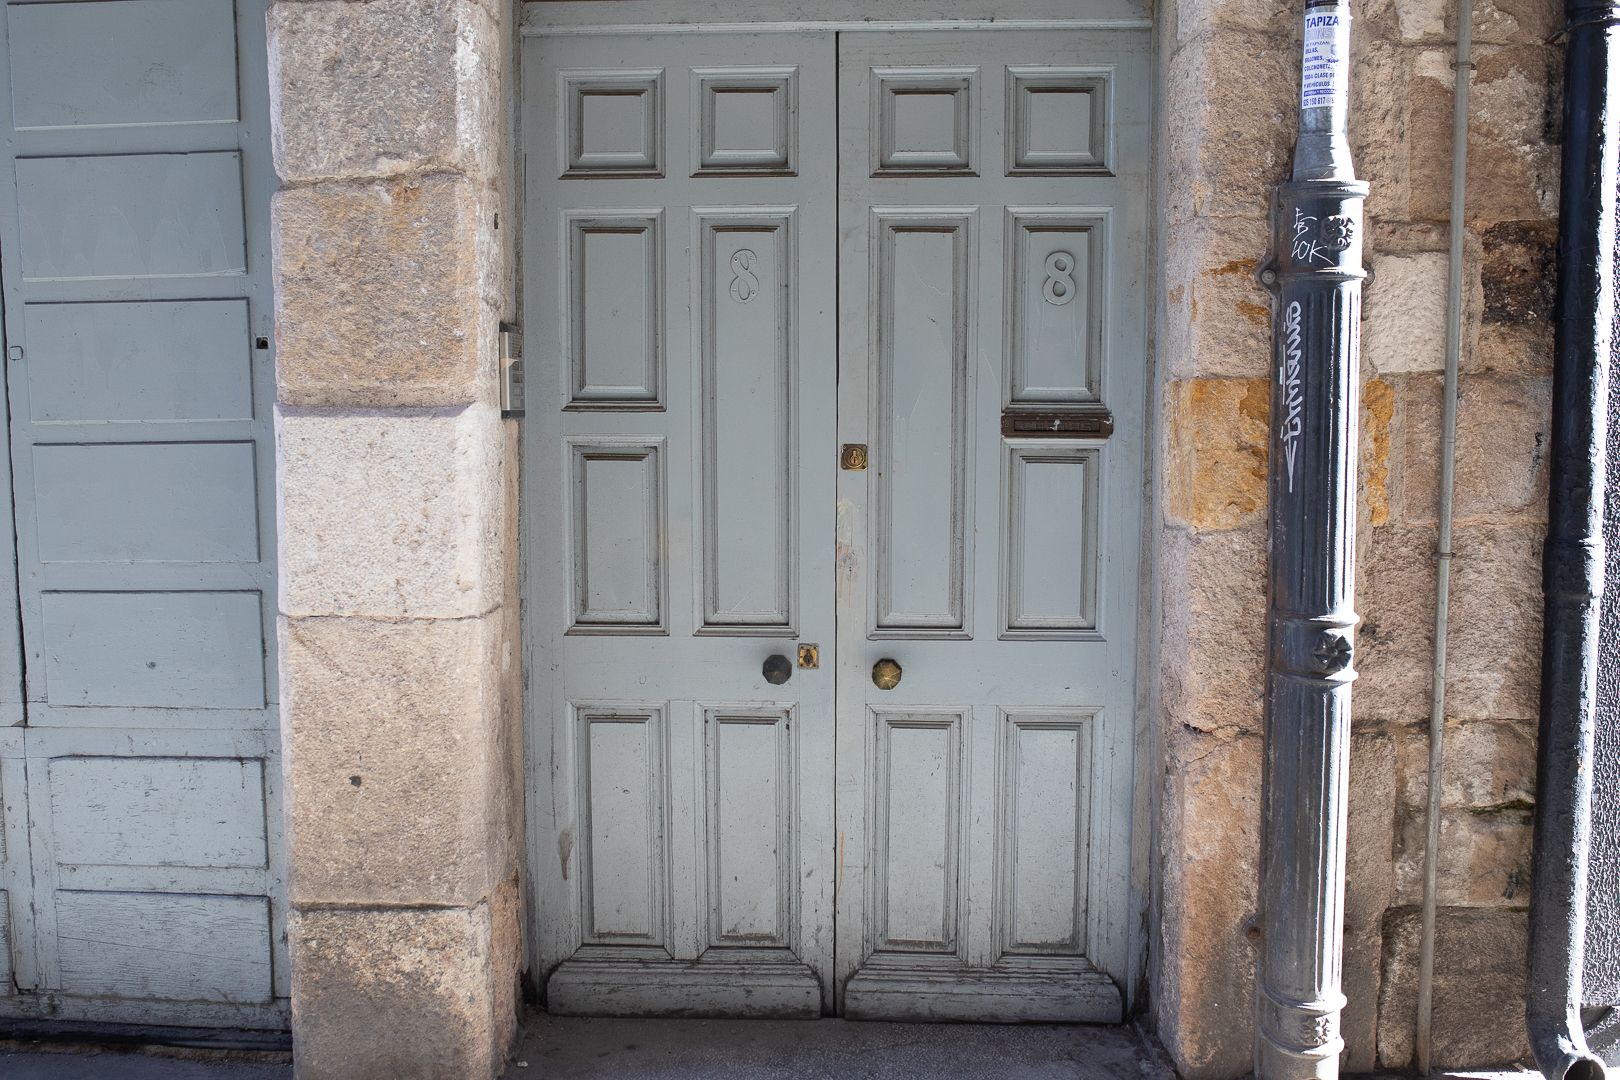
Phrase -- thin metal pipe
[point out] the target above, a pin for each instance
(1464, 68)
(1572, 573)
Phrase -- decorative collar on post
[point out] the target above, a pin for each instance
(1315, 272)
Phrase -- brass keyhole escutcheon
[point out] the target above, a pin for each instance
(886, 674)
(853, 457)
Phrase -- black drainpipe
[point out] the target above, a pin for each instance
(1572, 574)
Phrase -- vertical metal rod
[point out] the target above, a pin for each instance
(1464, 68)
(1315, 269)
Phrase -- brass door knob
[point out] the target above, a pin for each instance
(777, 669)
(886, 674)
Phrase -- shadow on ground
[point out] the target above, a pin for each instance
(571, 1048)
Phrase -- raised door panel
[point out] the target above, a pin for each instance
(917, 816)
(749, 505)
(623, 783)
(617, 537)
(1059, 120)
(1044, 833)
(1049, 550)
(615, 303)
(751, 834)
(1057, 270)
(173, 650)
(924, 273)
(611, 122)
(131, 216)
(195, 812)
(748, 120)
(165, 946)
(146, 502)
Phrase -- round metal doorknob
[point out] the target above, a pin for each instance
(886, 674)
(777, 669)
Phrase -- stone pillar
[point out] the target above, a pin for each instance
(1229, 93)
(396, 502)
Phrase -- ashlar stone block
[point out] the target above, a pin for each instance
(1219, 445)
(405, 994)
(398, 746)
(1369, 887)
(1230, 109)
(1210, 846)
(387, 293)
(391, 514)
(1484, 857)
(1217, 317)
(1403, 314)
(1489, 764)
(385, 87)
(1512, 165)
(1212, 634)
(1395, 583)
(1494, 655)
(1479, 985)
(1503, 424)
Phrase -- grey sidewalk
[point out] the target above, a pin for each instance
(116, 1065)
(583, 1049)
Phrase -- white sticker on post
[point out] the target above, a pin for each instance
(1326, 81)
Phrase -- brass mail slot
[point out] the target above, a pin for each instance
(1085, 422)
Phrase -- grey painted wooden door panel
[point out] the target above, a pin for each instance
(992, 262)
(140, 789)
(686, 519)
(679, 231)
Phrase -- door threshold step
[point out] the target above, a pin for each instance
(896, 990)
(773, 987)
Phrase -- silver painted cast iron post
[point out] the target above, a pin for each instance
(1315, 272)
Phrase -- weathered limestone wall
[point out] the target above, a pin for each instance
(1228, 110)
(398, 570)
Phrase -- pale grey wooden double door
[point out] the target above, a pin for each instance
(746, 256)
(141, 868)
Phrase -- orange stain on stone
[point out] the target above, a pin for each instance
(1220, 434)
(1236, 266)
(1258, 314)
(1377, 413)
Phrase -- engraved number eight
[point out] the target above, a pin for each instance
(744, 284)
(1059, 278)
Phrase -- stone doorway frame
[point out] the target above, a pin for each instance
(393, 246)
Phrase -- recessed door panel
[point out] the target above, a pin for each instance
(615, 300)
(924, 277)
(751, 835)
(916, 827)
(744, 277)
(622, 783)
(1044, 832)
(617, 536)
